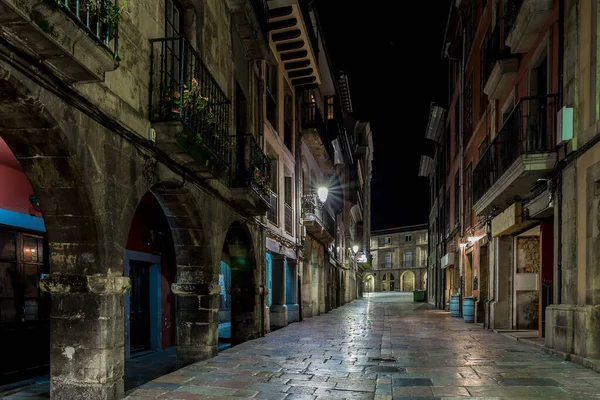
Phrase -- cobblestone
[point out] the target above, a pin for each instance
(328, 358)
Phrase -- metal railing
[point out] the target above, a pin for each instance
(273, 213)
(182, 89)
(312, 207)
(250, 166)
(289, 219)
(530, 128)
(99, 18)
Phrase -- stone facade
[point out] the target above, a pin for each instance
(400, 259)
(99, 119)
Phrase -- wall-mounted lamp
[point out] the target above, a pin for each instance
(322, 192)
(355, 248)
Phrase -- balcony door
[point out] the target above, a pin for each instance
(537, 115)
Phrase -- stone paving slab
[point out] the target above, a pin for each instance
(340, 355)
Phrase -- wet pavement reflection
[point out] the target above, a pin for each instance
(379, 348)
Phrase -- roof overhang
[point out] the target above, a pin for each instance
(291, 38)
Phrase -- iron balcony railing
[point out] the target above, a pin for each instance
(261, 8)
(312, 207)
(530, 128)
(99, 18)
(182, 89)
(289, 219)
(511, 11)
(273, 213)
(251, 167)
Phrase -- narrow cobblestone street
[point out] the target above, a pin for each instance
(379, 349)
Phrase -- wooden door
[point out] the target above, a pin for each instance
(24, 309)
(139, 310)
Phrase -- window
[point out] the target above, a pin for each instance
(468, 121)
(408, 259)
(408, 238)
(173, 19)
(271, 83)
(484, 71)
(483, 147)
(388, 260)
(456, 129)
(288, 115)
(468, 195)
(387, 240)
(456, 199)
(330, 107)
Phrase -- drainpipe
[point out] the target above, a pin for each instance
(461, 169)
(561, 56)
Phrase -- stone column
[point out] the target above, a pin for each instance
(503, 273)
(279, 312)
(197, 318)
(307, 289)
(87, 338)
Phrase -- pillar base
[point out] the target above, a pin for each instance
(500, 315)
(306, 310)
(64, 390)
(267, 320)
(293, 313)
(572, 329)
(278, 316)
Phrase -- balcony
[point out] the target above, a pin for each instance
(315, 137)
(522, 152)
(317, 219)
(294, 42)
(250, 17)
(525, 19)
(500, 68)
(188, 109)
(77, 39)
(250, 178)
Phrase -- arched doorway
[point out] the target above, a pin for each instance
(239, 313)
(24, 308)
(369, 283)
(387, 282)
(149, 263)
(407, 281)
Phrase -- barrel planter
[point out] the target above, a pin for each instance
(455, 305)
(469, 309)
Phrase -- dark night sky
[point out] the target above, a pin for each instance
(392, 52)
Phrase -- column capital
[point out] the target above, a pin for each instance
(58, 283)
(195, 289)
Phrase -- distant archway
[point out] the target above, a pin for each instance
(239, 319)
(407, 281)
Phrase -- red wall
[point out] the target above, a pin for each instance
(149, 216)
(16, 188)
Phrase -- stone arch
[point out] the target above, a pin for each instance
(195, 285)
(407, 281)
(80, 278)
(239, 256)
(369, 282)
(47, 158)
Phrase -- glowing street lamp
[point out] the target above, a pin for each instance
(322, 193)
(355, 248)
